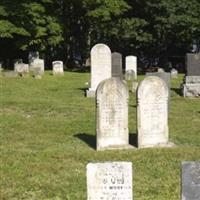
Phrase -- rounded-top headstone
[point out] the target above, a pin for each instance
(112, 114)
(131, 64)
(152, 112)
(100, 64)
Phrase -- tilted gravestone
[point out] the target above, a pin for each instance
(117, 65)
(191, 85)
(190, 180)
(131, 64)
(112, 115)
(109, 180)
(58, 68)
(100, 66)
(152, 112)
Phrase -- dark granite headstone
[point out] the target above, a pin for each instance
(117, 65)
(190, 180)
(193, 64)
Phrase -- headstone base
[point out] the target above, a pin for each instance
(116, 147)
(169, 144)
(90, 93)
(191, 90)
(191, 87)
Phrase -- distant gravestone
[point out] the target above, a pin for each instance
(131, 64)
(38, 72)
(191, 85)
(152, 112)
(21, 68)
(38, 63)
(112, 115)
(109, 181)
(193, 64)
(117, 65)
(129, 75)
(190, 180)
(100, 66)
(58, 68)
(174, 73)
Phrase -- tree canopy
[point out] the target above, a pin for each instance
(153, 30)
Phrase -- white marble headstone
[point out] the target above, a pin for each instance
(58, 68)
(38, 63)
(109, 181)
(100, 66)
(117, 65)
(112, 115)
(131, 64)
(152, 112)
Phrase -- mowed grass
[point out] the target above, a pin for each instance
(48, 137)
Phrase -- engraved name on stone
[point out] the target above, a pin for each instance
(109, 181)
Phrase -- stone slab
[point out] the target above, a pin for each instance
(131, 64)
(190, 180)
(109, 181)
(191, 90)
(193, 64)
(117, 65)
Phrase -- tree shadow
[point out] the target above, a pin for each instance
(133, 138)
(177, 91)
(90, 140)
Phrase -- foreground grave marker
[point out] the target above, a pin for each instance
(109, 180)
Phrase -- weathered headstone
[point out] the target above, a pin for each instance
(100, 66)
(109, 180)
(190, 180)
(117, 65)
(134, 86)
(161, 70)
(10, 74)
(152, 112)
(21, 68)
(191, 85)
(112, 115)
(174, 73)
(58, 68)
(131, 64)
(38, 63)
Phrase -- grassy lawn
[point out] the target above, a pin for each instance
(48, 137)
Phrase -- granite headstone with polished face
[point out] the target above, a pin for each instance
(117, 65)
(109, 181)
(191, 85)
(190, 180)
(193, 64)
(112, 115)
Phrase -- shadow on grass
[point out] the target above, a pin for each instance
(177, 91)
(133, 139)
(90, 140)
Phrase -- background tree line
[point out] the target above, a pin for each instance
(157, 31)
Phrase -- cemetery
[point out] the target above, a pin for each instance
(94, 115)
